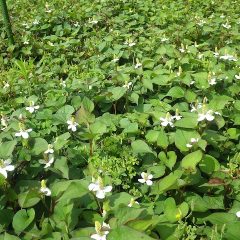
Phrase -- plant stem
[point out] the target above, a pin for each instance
(6, 21)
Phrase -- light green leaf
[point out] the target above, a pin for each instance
(6, 148)
(22, 219)
(190, 161)
(121, 232)
(139, 146)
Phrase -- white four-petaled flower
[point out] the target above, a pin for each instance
(238, 214)
(24, 133)
(208, 115)
(32, 108)
(132, 202)
(44, 190)
(168, 120)
(48, 161)
(5, 166)
(50, 149)
(101, 231)
(99, 189)
(72, 125)
(127, 85)
(192, 142)
(146, 178)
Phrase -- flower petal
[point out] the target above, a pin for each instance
(142, 180)
(100, 194)
(149, 182)
(25, 135)
(93, 187)
(150, 176)
(107, 189)
(9, 168)
(3, 172)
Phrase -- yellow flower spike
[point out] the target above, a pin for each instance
(21, 125)
(179, 215)
(100, 182)
(98, 227)
(205, 100)
(43, 184)
(168, 116)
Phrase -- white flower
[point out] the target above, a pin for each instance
(130, 43)
(72, 125)
(92, 21)
(168, 120)
(127, 85)
(212, 81)
(32, 108)
(26, 42)
(228, 57)
(23, 133)
(237, 76)
(99, 189)
(35, 22)
(177, 116)
(50, 149)
(115, 59)
(63, 83)
(208, 115)
(238, 214)
(192, 141)
(50, 44)
(5, 167)
(6, 85)
(138, 65)
(44, 190)
(76, 24)
(101, 231)
(4, 121)
(48, 161)
(226, 25)
(146, 178)
(164, 39)
(132, 202)
(201, 22)
(216, 54)
(196, 107)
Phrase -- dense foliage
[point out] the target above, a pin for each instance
(120, 118)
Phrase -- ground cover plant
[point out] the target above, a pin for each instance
(120, 118)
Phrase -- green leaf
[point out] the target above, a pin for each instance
(209, 164)
(10, 237)
(61, 165)
(121, 232)
(168, 160)
(39, 146)
(190, 161)
(139, 146)
(61, 141)
(22, 219)
(63, 114)
(6, 148)
(167, 183)
(28, 199)
(98, 128)
(176, 92)
(152, 136)
(88, 104)
(125, 214)
(162, 139)
(187, 122)
(142, 225)
(117, 93)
